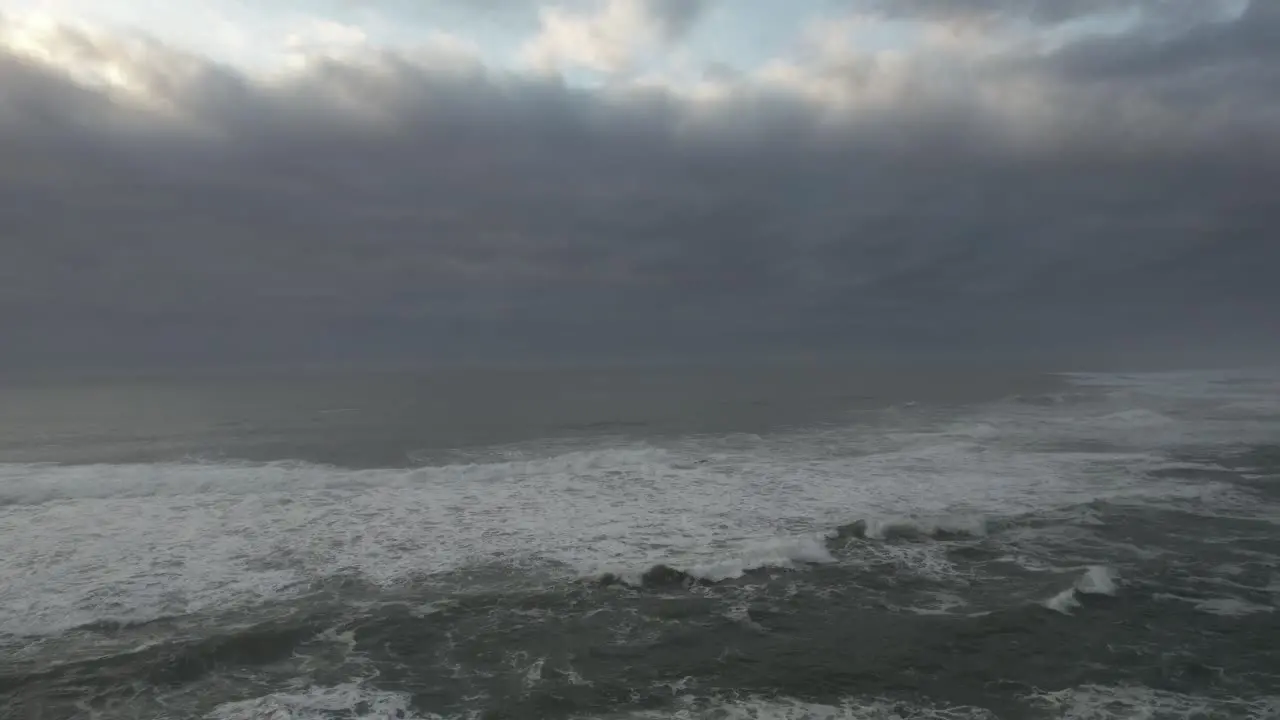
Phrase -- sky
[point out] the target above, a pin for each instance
(222, 182)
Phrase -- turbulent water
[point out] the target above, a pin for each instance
(634, 546)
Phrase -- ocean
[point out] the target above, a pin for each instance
(641, 543)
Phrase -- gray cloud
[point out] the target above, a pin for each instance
(391, 206)
(1248, 45)
(675, 17)
(1042, 11)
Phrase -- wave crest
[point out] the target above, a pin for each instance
(941, 527)
(350, 700)
(782, 554)
(1096, 580)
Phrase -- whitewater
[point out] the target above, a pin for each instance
(829, 569)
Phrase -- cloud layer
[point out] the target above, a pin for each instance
(983, 190)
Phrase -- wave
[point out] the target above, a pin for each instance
(941, 527)
(185, 658)
(781, 553)
(1136, 701)
(782, 708)
(881, 535)
(1135, 418)
(40, 483)
(1053, 399)
(1222, 606)
(359, 701)
(356, 701)
(134, 542)
(1232, 607)
(1097, 580)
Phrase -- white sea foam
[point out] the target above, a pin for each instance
(1064, 602)
(1253, 408)
(1223, 606)
(1192, 407)
(923, 560)
(942, 604)
(353, 701)
(1231, 607)
(1134, 419)
(781, 553)
(1096, 580)
(970, 525)
(1092, 702)
(791, 709)
(134, 542)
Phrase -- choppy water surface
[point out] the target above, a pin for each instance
(1088, 546)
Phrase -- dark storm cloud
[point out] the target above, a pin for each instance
(419, 205)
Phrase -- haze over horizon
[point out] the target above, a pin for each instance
(208, 183)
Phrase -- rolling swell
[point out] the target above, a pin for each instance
(800, 552)
(811, 632)
(176, 662)
(739, 579)
(955, 533)
(559, 653)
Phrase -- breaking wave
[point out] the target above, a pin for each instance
(943, 527)
(782, 554)
(355, 701)
(1097, 580)
(148, 541)
(307, 591)
(761, 708)
(152, 540)
(1134, 701)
